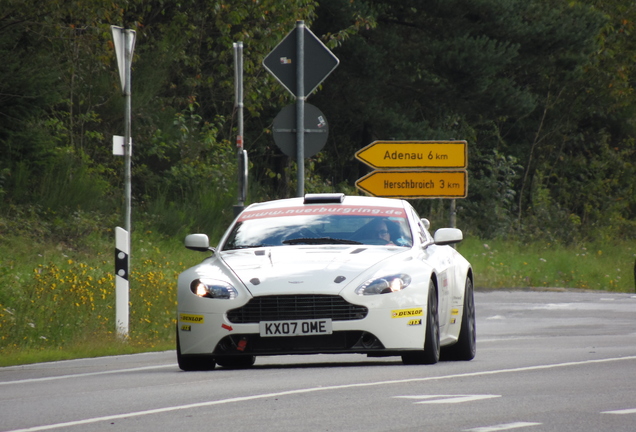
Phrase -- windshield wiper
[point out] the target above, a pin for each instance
(246, 247)
(320, 240)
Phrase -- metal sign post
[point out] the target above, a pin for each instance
(300, 62)
(300, 108)
(241, 154)
(124, 41)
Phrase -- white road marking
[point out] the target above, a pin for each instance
(316, 389)
(443, 399)
(625, 411)
(81, 375)
(553, 306)
(502, 427)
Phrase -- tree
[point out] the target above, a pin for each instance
(541, 89)
(506, 75)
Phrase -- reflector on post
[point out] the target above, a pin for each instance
(122, 250)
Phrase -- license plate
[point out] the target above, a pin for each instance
(295, 328)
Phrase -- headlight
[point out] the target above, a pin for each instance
(213, 289)
(384, 285)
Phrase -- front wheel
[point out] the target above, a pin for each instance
(466, 346)
(430, 354)
(193, 363)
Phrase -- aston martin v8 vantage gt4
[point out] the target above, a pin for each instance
(326, 273)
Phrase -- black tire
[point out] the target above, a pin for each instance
(466, 346)
(190, 363)
(431, 352)
(236, 362)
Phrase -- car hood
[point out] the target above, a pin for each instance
(304, 269)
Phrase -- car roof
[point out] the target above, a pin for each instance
(331, 199)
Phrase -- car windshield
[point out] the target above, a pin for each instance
(320, 225)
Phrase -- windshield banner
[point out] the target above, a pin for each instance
(324, 210)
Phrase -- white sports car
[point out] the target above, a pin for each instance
(326, 273)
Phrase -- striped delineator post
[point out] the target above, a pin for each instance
(122, 253)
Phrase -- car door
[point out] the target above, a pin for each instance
(440, 258)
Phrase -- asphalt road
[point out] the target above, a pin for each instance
(546, 361)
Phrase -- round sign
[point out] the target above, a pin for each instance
(316, 130)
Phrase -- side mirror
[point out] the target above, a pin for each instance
(198, 242)
(446, 236)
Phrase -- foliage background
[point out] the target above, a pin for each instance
(542, 90)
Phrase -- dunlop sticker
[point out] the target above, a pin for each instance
(415, 322)
(454, 311)
(406, 313)
(195, 319)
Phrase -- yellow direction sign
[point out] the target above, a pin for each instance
(415, 184)
(414, 154)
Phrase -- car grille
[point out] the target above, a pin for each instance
(296, 307)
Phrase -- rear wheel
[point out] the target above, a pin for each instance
(430, 354)
(466, 345)
(193, 362)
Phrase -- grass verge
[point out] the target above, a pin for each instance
(596, 266)
(57, 301)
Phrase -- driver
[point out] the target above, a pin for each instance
(380, 229)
